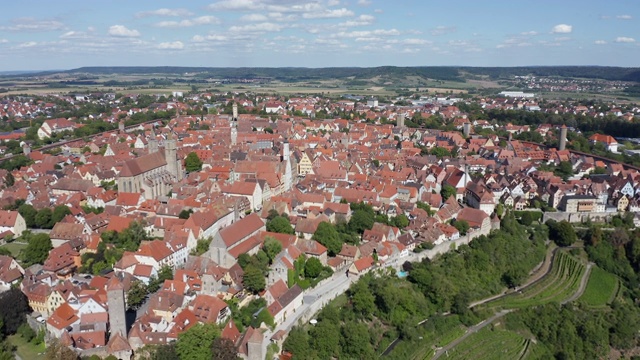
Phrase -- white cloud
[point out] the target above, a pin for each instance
(624, 17)
(529, 33)
(28, 44)
(366, 33)
(416, 42)
(326, 14)
(3, 41)
(378, 11)
(562, 29)
(253, 17)
(236, 5)
(361, 20)
(599, 42)
(74, 35)
(165, 12)
(202, 20)
(364, 2)
(624, 39)
(562, 38)
(333, 2)
(261, 27)
(441, 30)
(29, 24)
(122, 31)
(175, 45)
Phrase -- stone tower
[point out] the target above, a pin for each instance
(115, 302)
(400, 120)
(235, 112)
(153, 142)
(234, 134)
(563, 138)
(171, 156)
(466, 129)
(286, 158)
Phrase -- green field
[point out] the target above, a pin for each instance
(601, 288)
(25, 349)
(562, 282)
(489, 344)
(14, 247)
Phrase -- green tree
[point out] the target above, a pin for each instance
(272, 248)
(356, 341)
(184, 214)
(165, 273)
(136, 294)
(400, 221)
(362, 298)
(14, 308)
(37, 249)
(43, 219)
(202, 246)
(447, 191)
(361, 220)
(57, 351)
(312, 268)
(253, 279)
(223, 349)
(280, 224)
(192, 162)
(297, 343)
(462, 226)
(29, 214)
(327, 235)
(562, 233)
(9, 180)
(440, 152)
(197, 342)
(59, 212)
(526, 219)
(325, 339)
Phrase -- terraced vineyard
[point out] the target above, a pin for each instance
(495, 344)
(560, 284)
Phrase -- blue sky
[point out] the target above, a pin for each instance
(63, 34)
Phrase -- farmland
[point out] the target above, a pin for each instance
(496, 344)
(560, 284)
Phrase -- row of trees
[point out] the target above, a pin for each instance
(44, 218)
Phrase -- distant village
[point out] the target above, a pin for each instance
(269, 157)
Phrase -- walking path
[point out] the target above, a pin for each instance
(583, 285)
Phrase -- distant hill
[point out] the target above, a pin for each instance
(445, 73)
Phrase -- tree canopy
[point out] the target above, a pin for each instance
(192, 162)
(327, 235)
(197, 342)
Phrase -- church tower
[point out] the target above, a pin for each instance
(153, 142)
(171, 156)
(235, 112)
(234, 134)
(116, 304)
(286, 158)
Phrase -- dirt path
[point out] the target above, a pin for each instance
(472, 330)
(583, 285)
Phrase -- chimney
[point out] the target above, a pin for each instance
(563, 137)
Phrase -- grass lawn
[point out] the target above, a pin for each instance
(600, 289)
(26, 350)
(14, 247)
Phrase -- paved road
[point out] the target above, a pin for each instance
(472, 330)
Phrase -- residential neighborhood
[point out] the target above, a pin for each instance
(190, 208)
